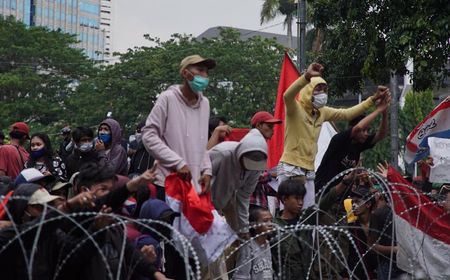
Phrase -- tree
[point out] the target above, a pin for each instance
(244, 81)
(287, 8)
(38, 72)
(368, 39)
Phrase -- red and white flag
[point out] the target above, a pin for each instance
(422, 230)
(199, 222)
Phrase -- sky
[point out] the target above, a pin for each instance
(161, 18)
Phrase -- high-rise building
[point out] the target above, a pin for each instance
(81, 17)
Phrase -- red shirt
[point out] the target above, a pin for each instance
(12, 159)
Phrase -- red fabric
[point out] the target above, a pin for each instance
(288, 75)
(3, 205)
(237, 134)
(416, 208)
(10, 161)
(196, 208)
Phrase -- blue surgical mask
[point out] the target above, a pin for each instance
(37, 154)
(198, 84)
(105, 137)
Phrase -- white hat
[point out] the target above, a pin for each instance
(254, 161)
(31, 175)
(41, 196)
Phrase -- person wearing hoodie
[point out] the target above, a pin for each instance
(305, 102)
(176, 130)
(236, 167)
(154, 233)
(110, 134)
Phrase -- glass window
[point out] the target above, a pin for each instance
(90, 8)
(13, 5)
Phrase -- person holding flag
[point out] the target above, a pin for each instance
(305, 103)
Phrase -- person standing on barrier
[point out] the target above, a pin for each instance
(345, 147)
(306, 110)
(176, 130)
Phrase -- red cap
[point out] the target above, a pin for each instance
(264, 117)
(21, 127)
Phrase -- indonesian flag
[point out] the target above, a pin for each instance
(422, 230)
(199, 222)
(436, 124)
(288, 75)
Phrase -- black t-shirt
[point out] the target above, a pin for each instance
(341, 154)
(381, 225)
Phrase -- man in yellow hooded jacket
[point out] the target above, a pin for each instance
(305, 102)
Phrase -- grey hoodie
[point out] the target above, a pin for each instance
(117, 156)
(230, 179)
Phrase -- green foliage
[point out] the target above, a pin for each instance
(244, 81)
(37, 71)
(366, 39)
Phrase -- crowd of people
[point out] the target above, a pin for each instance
(96, 207)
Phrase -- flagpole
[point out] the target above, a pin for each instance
(301, 34)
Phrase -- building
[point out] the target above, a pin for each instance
(245, 34)
(85, 18)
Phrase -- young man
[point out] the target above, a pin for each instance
(345, 147)
(85, 150)
(363, 202)
(305, 102)
(176, 129)
(218, 129)
(110, 134)
(295, 245)
(14, 155)
(236, 167)
(254, 258)
(264, 121)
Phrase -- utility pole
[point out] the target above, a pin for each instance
(301, 34)
(394, 119)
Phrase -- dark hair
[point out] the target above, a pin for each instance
(140, 126)
(254, 215)
(364, 194)
(291, 187)
(356, 120)
(92, 173)
(48, 154)
(81, 132)
(2, 135)
(214, 122)
(17, 135)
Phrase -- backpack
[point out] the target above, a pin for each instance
(141, 161)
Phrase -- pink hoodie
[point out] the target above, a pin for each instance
(176, 134)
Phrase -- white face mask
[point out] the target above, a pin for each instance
(320, 99)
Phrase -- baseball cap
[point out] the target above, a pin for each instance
(254, 161)
(20, 127)
(196, 59)
(264, 117)
(65, 130)
(41, 196)
(31, 175)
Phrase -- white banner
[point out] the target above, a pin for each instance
(440, 152)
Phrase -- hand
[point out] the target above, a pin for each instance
(381, 91)
(149, 252)
(383, 169)
(47, 173)
(148, 176)
(102, 220)
(82, 200)
(159, 276)
(99, 145)
(205, 182)
(185, 173)
(384, 103)
(429, 161)
(223, 130)
(314, 70)
(5, 224)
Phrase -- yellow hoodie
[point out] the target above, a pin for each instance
(302, 128)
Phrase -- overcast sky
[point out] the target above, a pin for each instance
(161, 18)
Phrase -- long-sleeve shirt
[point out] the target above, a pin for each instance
(302, 126)
(176, 134)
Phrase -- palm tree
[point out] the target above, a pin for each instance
(272, 8)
